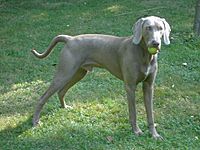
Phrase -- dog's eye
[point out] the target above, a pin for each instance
(149, 28)
(160, 28)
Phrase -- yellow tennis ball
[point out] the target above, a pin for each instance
(152, 50)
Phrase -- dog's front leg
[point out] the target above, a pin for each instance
(148, 100)
(130, 90)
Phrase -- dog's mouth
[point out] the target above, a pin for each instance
(153, 50)
(153, 47)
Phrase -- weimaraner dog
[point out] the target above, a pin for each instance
(127, 58)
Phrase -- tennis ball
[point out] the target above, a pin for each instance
(152, 50)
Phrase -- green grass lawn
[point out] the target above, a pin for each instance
(99, 118)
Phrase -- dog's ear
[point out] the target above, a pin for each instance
(137, 31)
(167, 31)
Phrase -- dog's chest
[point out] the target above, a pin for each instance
(146, 69)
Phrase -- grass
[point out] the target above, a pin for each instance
(99, 118)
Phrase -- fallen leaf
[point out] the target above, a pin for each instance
(109, 139)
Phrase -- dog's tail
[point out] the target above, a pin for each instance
(59, 38)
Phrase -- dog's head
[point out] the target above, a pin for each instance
(151, 30)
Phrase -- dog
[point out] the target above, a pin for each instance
(127, 58)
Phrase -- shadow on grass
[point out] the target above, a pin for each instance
(9, 136)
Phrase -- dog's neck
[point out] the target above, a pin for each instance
(143, 45)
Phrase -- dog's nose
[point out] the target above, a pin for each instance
(155, 43)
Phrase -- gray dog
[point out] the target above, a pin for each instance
(130, 59)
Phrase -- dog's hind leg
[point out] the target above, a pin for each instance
(63, 76)
(77, 77)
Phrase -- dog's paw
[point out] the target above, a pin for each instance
(36, 123)
(138, 131)
(157, 137)
(66, 107)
